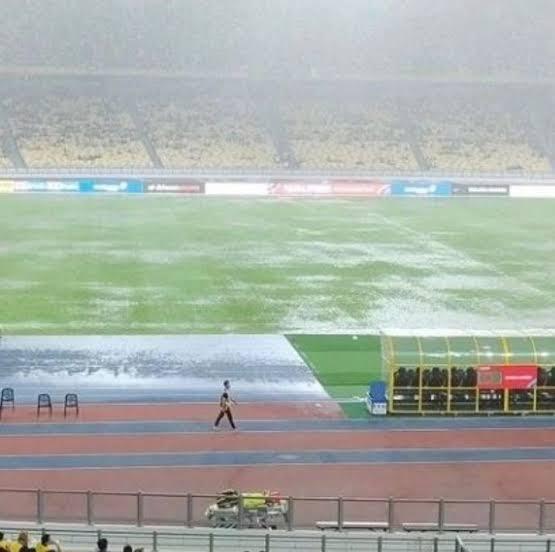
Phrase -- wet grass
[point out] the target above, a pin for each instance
(81, 265)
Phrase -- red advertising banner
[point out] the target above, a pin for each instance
(507, 376)
(360, 188)
(345, 188)
(300, 189)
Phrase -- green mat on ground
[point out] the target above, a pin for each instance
(343, 364)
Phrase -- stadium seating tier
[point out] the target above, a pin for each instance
(205, 128)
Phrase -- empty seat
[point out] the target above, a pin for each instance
(44, 401)
(7, 396)
(71, 401)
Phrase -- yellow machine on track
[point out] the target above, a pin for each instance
(260, 509)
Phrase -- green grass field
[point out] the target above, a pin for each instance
(343, 364)
(178, 265)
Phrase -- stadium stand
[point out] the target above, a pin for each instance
(210, 126)
(458, 132)
(207, 131)
(4, 159)
(82, 131)
(324, 133)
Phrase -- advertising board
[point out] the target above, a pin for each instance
(343, 188)
(6, 186)
(535, 190)
(62, 186)
(236, 188)
(421, 188)
(45, 186)
(30, 186)
(291, 188)
(480, 190)
(121, 186)
(368, 188)
(507, 376)
(175, 187)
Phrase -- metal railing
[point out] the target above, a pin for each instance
(188, 510)
(520, 177)
(187, 540)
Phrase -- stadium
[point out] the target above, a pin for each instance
(345, 210)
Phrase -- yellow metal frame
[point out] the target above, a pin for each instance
(476, 391)
(421, 355)
(449, 373)
(533, 343)
(507, 362)
(391, 368)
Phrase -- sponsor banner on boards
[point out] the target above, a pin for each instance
(6, 186)
(40, 186)
(345, 188)
(237, 188)
(86, 186)
(368, 188)
(120, 186)
(507, 376)
(480, 189)
(300, 188)
(421, 188)
(534, 190)
(177, 187)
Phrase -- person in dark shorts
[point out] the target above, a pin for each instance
(225, 407)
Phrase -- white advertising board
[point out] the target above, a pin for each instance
(534, 190)
(236, 188)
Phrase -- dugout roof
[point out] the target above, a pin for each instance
(467, 350)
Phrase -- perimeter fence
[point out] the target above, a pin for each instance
(190, 540)
(336, 513)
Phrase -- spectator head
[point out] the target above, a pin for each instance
(23, 538)
(127, 548)
(1, 536)
(102, 545)
(45, 539)
(227, 385)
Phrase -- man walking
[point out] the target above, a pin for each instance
(225, 407)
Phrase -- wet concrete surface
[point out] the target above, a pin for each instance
(127, 369)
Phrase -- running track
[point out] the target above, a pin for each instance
(302, 449)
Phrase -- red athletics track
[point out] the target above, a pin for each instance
(476, 480)
(277, 441)
(466, 481)
(191, 412)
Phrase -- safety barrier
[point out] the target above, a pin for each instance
(244, 173)
(187, 540)
(386, 514)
